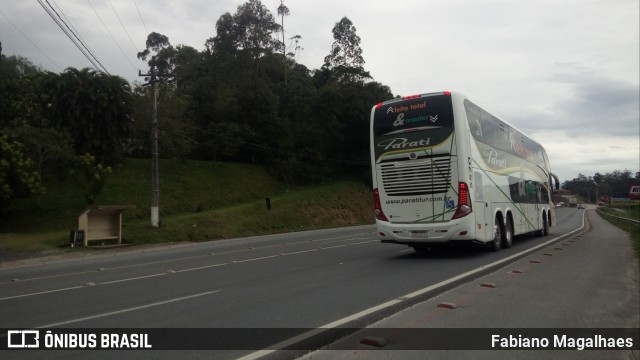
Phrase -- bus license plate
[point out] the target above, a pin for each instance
(420, 233)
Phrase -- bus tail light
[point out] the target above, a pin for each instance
(464, 201)
(378, 206)
(411, 97)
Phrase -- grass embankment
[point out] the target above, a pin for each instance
(198, 201)
(633, 229)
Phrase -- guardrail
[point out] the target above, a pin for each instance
(618, 217)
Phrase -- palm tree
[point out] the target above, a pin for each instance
(96, 109)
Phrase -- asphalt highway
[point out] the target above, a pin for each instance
(584, 286)
(335, 277)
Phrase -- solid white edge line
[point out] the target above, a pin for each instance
(356, 316)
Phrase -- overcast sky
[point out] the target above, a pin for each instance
(565, 72)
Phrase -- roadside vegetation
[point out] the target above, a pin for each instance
(237, 122)
(199, 201)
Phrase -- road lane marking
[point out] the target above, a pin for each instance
(185, 270)
(135, 308)
(368, 238)
(345, 245)
(371, 310)
(40, 293)
(355, 236)
(255, 259)
(202, 267)
(131, 279)
(299, 252)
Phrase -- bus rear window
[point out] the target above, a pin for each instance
(421, 113)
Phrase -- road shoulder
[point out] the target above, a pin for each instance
(589, 280)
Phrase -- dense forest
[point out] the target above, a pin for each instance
(243, 98)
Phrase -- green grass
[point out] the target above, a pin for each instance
(198, 201)
(337, 204)
(632, 229)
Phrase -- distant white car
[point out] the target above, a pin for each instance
(581, 206)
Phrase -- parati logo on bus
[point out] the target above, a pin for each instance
(403, 143)
(493, 160)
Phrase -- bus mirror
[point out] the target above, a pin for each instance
(557, 181)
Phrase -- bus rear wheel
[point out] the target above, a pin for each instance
(545, 227)
(507, 235)
(494, 245)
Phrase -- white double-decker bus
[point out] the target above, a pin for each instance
(445, 170)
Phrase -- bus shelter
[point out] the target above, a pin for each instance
(103, 222)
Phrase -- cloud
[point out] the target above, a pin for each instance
(586, 103)
(588, 153)
(565, 72)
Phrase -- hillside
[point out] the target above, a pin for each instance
(198, 201)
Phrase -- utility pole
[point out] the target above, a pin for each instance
(155, 171)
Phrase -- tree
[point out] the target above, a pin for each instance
(617, 183)
(176, 129)
(345, 50)
(224, 138)
(187, 68)
(15, 66)
(18, 176)
(95, 108)
(255, 27)
(160, 54)
(345, 58)
(90, 176)
(248, 34)
(24, 100)
(225, 41)
(344, 109)
(49, 148)
(614, 184)
(236, 94)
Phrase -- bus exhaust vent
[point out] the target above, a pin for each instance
(420, 177)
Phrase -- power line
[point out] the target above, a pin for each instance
(139, 14)
(77, 37)
(123, 28)
(67, 31)
(29, 40)
(73, 27)
(112, 37)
